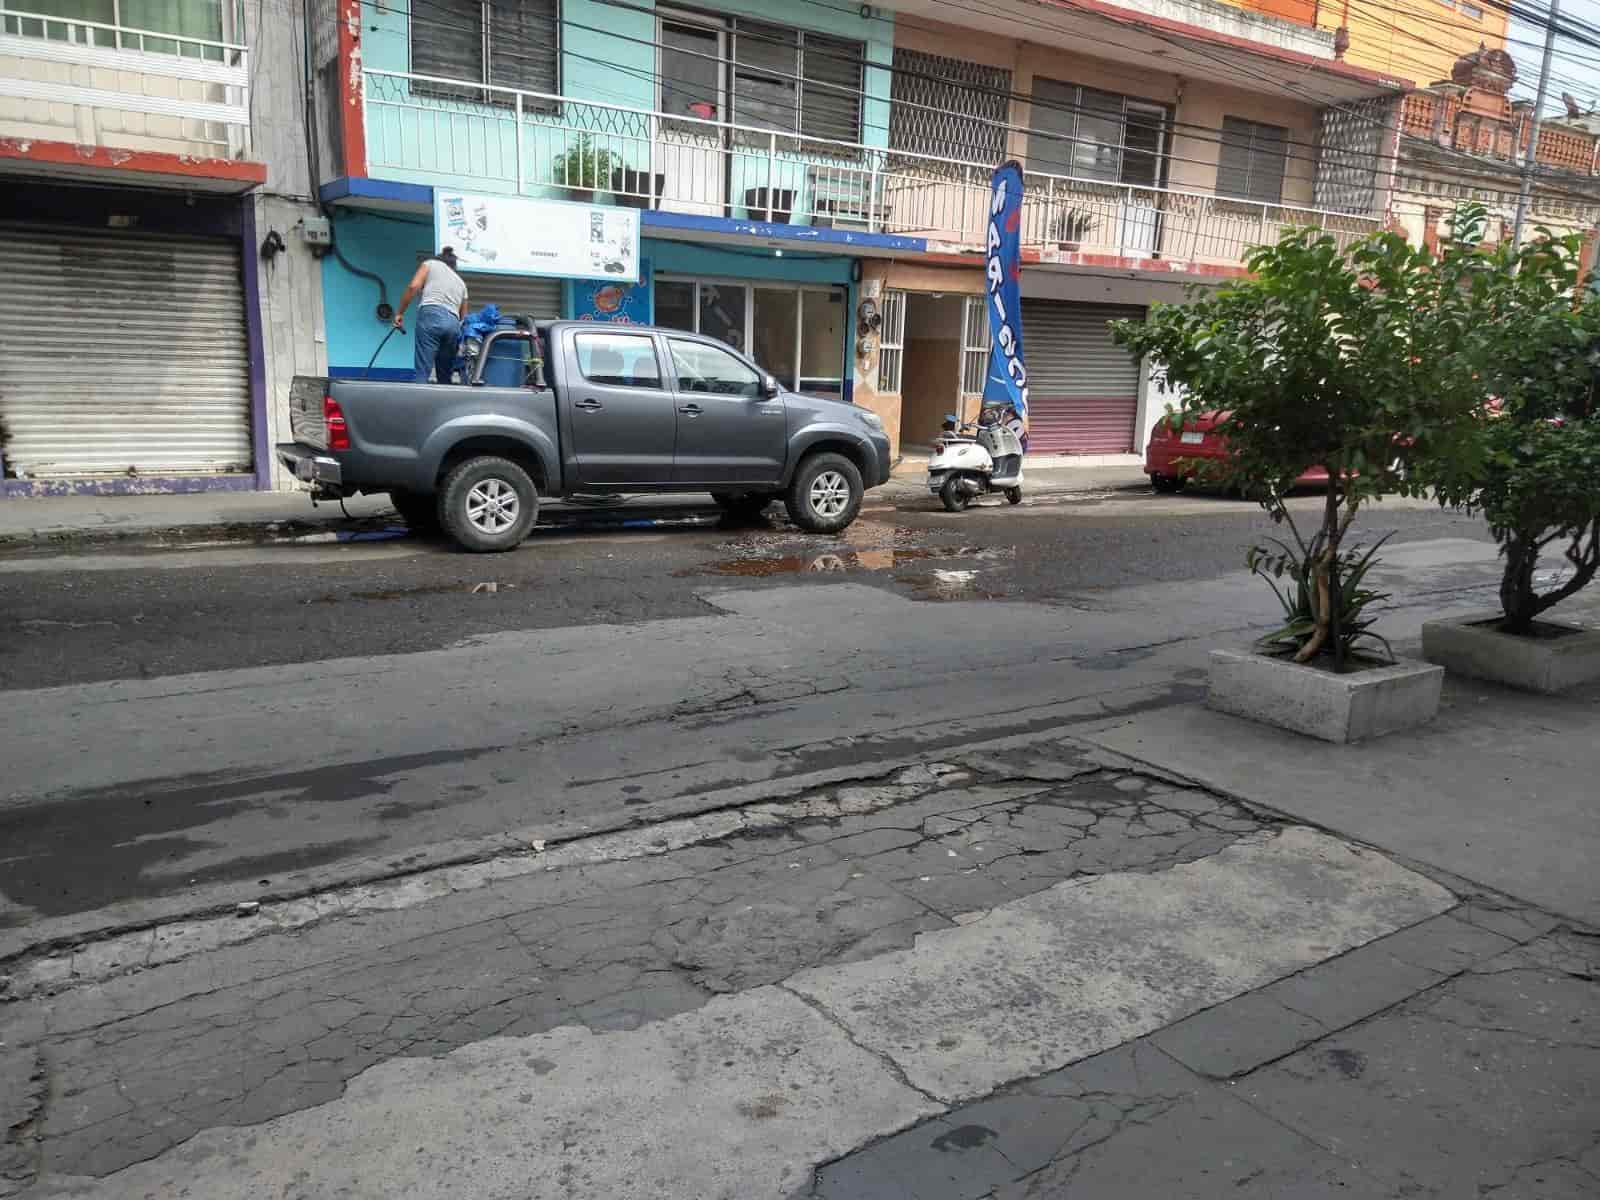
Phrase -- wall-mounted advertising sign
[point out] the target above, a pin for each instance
(518, 236)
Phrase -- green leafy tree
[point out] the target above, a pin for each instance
(1532, 466)
(1353, 361)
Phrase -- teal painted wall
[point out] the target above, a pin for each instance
(387, 246)
(608, 57)
(687, 258)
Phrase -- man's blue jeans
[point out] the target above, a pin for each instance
(438, 332)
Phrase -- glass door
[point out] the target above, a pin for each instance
(691, 156)
(775, 346)
(822, 334)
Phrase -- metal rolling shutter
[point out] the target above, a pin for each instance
(524, 295)
(1083, 389)
(121, 354)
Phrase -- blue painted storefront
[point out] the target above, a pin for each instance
(387, 244)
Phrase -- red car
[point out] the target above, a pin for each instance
(1199, 440)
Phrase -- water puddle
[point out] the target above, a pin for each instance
(934, 583)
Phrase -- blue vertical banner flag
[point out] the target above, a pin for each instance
(1006, 383)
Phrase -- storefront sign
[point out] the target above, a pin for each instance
(617, 303)
(1006, 382)
(517, 236)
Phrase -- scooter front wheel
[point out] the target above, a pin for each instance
(1014, 495)
(953, 495)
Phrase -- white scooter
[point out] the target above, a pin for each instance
(974, 460)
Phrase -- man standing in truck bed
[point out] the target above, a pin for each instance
(440, 310)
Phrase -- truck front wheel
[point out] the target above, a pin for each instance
(487, 504)
(825, 494)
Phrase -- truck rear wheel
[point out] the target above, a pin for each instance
(825, 494)
(488, 504)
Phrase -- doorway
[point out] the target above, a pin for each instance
(930, 376)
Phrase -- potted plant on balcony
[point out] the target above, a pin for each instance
(1351, 362)
(1532, 468)
(582, 167)
(1069, 227)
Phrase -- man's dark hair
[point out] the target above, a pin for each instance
(448, 257)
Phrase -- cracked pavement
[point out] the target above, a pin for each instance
(143, 1061)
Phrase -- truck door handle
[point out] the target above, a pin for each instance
(589, 405)
(691, 410)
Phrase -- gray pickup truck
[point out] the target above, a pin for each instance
(634, 409)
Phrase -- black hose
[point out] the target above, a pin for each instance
(393, 329)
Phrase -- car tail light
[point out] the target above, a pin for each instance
(338, 430)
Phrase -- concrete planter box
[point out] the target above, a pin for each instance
(1472, 646)
(1316, 702)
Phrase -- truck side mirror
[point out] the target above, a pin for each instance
(769, 387)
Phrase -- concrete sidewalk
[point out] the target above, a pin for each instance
(107, 518)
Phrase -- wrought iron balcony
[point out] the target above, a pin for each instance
(426, 129)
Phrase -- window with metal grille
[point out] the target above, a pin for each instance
(795, 81)
(505, 43)
(1253, 160)
(974, 346)
(1084, 133)
(891, 349)
(948, 108)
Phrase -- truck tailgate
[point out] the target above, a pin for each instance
(307, 425)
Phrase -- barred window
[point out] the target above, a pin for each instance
(506, 43)
(891, 349)
(948, 108)
(1253, 159)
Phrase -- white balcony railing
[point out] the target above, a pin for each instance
(123, 87)
(531, 143)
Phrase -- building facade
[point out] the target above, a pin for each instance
(157, 295)
(231, 192)
(1466, 140)
(790, 162)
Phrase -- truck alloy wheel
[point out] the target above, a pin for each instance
(825, 494)
(487, 504)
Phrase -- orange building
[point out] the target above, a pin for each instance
(1418, 40)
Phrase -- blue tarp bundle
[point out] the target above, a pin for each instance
(481, 323)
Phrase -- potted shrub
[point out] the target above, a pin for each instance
(1069, 228)
(1348, 361)
(1532, 468)
(582, 167)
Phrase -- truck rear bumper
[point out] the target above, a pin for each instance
(311, 466)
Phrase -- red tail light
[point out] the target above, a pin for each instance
(338, 430)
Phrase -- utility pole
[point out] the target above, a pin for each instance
(1532, 159)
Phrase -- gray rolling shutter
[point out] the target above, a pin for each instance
(121, 354)
(524, 295)
(1083, 389)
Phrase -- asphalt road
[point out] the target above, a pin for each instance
(137, 613)
(195, 725)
